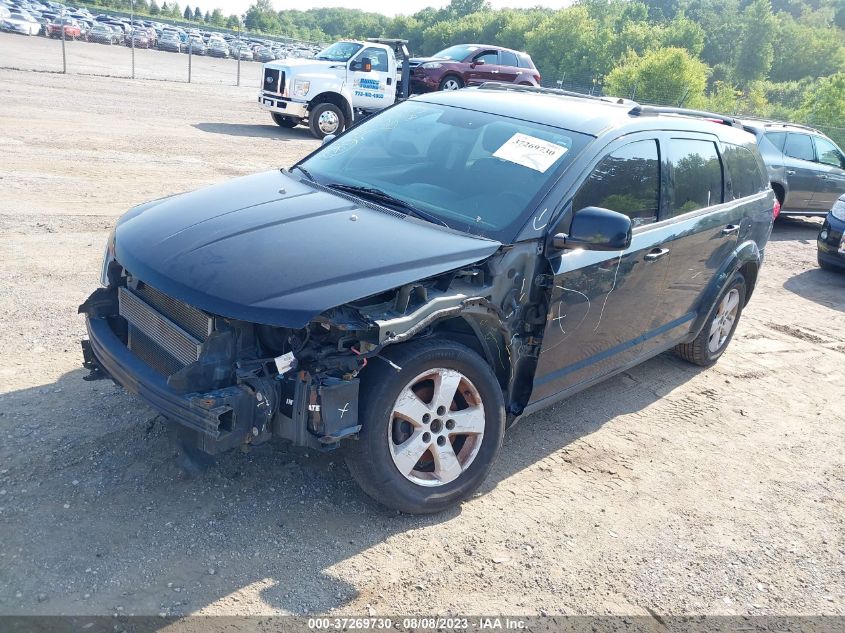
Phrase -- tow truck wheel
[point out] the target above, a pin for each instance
(284, 121)
(325, 119)
(430, 430)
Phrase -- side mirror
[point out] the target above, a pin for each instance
(477, 62)
(328, 138)
(595, 229)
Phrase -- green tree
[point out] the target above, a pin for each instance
(188, 14)
(825, 103)
(755, 51)
(197, 14)
(232, 22)
(667, 76)
(175, 10)
(217, 18)
(261, 17)
(154, 8)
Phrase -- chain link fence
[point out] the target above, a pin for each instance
(128, 58)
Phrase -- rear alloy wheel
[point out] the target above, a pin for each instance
(284, 121)
(451, 83)
(431, 430)
(719, 328)
(325, 119)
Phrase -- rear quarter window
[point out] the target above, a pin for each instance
(696, 175)
(525, 60)
(743, 168)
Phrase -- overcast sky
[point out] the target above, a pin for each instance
(388, 7)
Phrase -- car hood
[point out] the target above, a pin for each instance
(304, 65)
(270, 249)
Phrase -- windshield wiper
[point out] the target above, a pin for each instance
(304, 171)
(378, 195)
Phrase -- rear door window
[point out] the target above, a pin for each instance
(506, 58)
(627, 181)
(697, 175)
(776, 138)
(799, 146)
(746, 177)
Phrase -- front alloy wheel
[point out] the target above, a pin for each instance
(436, 427)
(430, 430)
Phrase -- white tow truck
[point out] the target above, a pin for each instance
(343, 83)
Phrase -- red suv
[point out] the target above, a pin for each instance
(471, 64)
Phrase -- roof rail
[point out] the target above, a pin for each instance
(500, 85)
(767, 122)
(649, 110)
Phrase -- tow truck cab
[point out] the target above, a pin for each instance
(343, 83)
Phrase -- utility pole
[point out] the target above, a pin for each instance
(132, 33)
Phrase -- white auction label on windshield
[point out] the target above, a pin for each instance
(530, 152)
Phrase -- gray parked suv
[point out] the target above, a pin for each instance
(806, 168)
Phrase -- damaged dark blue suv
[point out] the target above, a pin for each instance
(417, 284)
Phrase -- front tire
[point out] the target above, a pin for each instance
(719, 327)
(451, 82)
(829, 267)
(325, 119)
(431, 431)
(284, 121)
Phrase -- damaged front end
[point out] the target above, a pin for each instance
(232, 382)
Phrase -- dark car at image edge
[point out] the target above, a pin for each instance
(831, 239)
(420, 282)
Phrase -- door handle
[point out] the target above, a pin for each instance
(790, 172)
(655, 253)
(730, 228)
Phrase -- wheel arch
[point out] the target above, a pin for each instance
(746, 260)
(337, 99)
(780, 191)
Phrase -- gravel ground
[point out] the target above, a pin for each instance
(667, 488)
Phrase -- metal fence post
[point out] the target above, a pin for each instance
(238, 53)
(64, 54)
(190, 54)
(132, 33)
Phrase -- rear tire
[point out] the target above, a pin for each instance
(719, 327)
(325, 119)
(414, 454)
(284, 121)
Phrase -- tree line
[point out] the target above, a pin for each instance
(774, 58)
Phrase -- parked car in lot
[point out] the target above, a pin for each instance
(242, 51)
(169, 41)
(140, 39)
(20, 22)
(102, 34)
(806, 168)
(263, 55)
(429, 276)
(217, 48)
(195, 45)
(471, 65)
(68, 25)
(831, 239)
